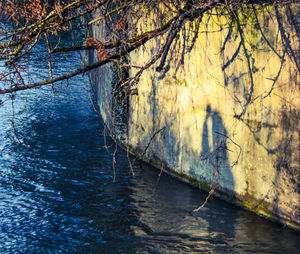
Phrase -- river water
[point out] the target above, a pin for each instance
(58, 194)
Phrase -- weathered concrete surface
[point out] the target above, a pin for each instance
(228, 113)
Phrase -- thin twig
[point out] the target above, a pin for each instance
(114, 162)
(49, 59)
(206, 199)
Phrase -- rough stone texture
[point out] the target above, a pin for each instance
(230, 109)
(104, 82)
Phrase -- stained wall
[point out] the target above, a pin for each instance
(226, 113)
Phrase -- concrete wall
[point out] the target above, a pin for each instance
(227, 113)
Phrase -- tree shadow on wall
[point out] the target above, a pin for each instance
(287, 179)
(214, 153)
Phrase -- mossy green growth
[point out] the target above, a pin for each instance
(248, 205)
(130, 148)
(205, 186)
(182, 82)
(264, 211)
(258, 209)
(192, 180)
(139, 155)
(154, 163)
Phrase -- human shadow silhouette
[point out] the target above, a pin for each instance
(214, 151)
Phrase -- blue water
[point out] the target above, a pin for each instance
(58, 195)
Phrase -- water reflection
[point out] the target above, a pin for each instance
(57, 193)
